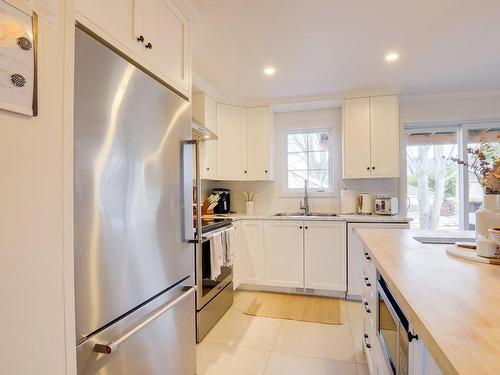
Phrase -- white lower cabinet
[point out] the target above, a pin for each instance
(292, 254)
(420, 360)
(236, 253)
(283, 253)
(251, 257)
(325, 255)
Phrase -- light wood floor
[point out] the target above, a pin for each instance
(252, 345)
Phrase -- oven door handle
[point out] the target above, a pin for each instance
(110, 347)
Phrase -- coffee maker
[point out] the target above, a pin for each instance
(224, 204)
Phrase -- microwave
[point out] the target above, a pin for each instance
(386, 206)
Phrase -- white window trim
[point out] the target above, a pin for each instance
(285, 192)
(462, 129)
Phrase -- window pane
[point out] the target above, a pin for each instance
(475, 199)
(319, 179)
(432, 180)
(296, 179)
(297, 161)
(318, 160)
(318, 141)
(297, 142)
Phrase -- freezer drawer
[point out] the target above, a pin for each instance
(159, 338)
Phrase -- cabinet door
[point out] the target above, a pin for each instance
(258, 143)
(283, 253)
(236, 256)
(325, 255)
(166, 31)
(356, 138)
(251, 259)
(384, 129)
(204, 111)
(231, 143)
(104, 15)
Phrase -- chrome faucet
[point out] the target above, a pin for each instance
(305, 206)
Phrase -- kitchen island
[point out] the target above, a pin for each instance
(453, 305)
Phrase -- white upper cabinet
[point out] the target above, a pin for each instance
(204, 111)
(243, 145)
(384, 130)
(154, 33)
(231, 142)
(258, 141)
(283, 253)
(166, 39)
(370, 134)
(356, 138)
(325, 255)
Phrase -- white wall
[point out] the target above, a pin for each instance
(36, 274)
(270, 198)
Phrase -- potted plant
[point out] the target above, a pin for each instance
(486, 167)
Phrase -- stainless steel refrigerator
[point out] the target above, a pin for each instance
(134, 266)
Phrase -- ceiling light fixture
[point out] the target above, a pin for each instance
(269, 71)
(392, 56)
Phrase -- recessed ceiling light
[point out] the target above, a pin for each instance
(269, 71)
(392, 56)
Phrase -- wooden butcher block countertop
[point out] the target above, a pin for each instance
(453, 304)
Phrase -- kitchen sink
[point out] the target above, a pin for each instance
(311, 214)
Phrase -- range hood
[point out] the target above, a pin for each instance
(202, 133)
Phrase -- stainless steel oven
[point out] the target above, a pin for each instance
(214, 295)
(393, 330)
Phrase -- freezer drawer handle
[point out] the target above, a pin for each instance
(110, 347)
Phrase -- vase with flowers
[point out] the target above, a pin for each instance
(486, 167)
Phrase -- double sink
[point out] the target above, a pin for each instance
(302, 214)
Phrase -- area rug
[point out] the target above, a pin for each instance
(313, 309)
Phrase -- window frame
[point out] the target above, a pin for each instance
(462, 130)
(299, 192)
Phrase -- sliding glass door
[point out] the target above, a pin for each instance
(440, 193)
(432, 178)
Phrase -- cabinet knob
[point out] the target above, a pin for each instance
(300, 227)
(208, 169)
(140, 38)
(367, 168)
(245, 171)
(149, 45)
(411, 336)
(265, 171)
(307, 227)
(373, 167)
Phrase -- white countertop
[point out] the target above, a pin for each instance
(351, 218)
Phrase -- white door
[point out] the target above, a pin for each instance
(166, 40)
(384, 129)
(251, 257)
(356, 138)
(236, 253)
(204, 111)
(283, 253)
(104, 15)
(258, 143)
(356, 255)
(325, 255)
(231, 143)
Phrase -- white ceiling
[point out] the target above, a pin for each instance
(330, 46)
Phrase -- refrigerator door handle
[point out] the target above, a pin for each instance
(188, 191)
(110, 347)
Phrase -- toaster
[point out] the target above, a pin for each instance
(386, 206)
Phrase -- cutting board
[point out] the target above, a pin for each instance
(470, 255)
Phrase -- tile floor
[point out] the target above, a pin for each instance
(246, 345)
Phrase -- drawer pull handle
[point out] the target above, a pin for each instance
(411, 337)
(367, 256)
(110, 347)
(367, 282)
(365, 338)
(367, 309)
